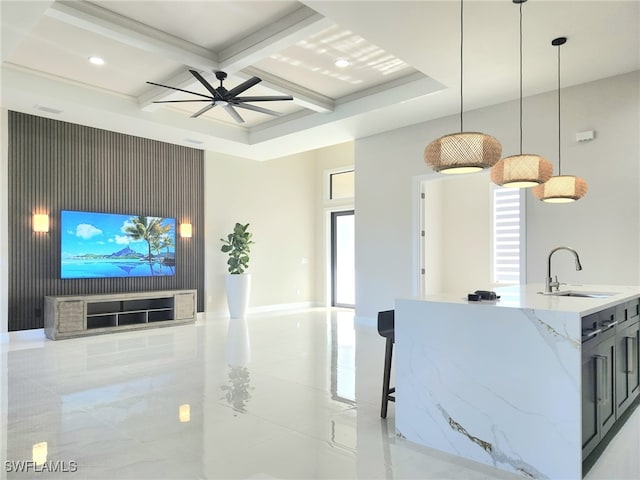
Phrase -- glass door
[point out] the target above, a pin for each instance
(343, 291)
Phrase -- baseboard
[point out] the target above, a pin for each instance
(224, 312)
(281, 306)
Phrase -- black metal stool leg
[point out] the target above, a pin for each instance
(387, 377)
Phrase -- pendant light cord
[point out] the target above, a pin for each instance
(521, 79)
(461, 62)
(559, 123)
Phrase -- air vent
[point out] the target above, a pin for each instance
(195, 142)
(55, 111)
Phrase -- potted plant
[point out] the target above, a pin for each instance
(238, 245)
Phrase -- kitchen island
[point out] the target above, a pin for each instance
(501, 382)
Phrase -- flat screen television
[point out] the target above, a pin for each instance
(107, 245)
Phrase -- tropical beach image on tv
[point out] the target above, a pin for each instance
(106, 245)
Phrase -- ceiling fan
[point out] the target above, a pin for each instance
(227, 99)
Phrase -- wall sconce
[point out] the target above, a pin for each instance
(184, 413)
(40, 222)
(185, 230)
(39, 453)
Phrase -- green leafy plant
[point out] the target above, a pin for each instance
(238, 245)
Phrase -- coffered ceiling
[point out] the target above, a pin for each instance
(404, 64)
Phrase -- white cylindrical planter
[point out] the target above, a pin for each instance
(238, 290)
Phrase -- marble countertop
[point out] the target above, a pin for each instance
(528, 296)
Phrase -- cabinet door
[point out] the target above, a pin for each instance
(590, 430)
(184, 306)
(633, 310)
(627, 375)
(70, 315)
(606, 384)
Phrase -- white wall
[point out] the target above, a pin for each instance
(603, 226)
(283, 200)
(277, 199)
(387, 166)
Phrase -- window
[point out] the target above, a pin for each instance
(341, 185)
(508, 236)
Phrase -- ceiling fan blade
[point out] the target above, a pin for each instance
(235, 115)
(179, 101)
(202, 110)
(243, 86)
(258, 109)
(206, 84)
(274, 98)
(180, 90)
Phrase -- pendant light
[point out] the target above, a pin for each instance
(560, 188)
(526, 169)
(463, 152)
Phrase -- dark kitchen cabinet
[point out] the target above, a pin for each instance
(610, 369)
(627, 371)
(590, 430)
(598, 390)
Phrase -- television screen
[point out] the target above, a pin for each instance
(106, 245)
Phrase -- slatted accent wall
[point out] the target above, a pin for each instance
(56, 166)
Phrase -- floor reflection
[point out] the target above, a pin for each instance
(343, 356)
(237, 391)
(103, 404)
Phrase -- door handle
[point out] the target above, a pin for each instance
(594, 332)
(630, 354)
(602, 374)
(609, 325)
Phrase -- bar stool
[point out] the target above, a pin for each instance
(386, 321)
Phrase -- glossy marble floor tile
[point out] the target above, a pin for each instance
(291, 395)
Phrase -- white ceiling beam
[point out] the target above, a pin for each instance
(302, 96)
(275, 37)
(18, 18)
(130, 32)
(287, 31)
(405, 89)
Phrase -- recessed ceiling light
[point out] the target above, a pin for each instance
(342, 63)
(96, 60)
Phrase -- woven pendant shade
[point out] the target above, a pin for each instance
(463, 152)
(521, 171)
(526, 169)
(561, 189)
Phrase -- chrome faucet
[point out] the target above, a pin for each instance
(549, 282)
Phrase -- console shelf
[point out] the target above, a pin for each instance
(80, 315)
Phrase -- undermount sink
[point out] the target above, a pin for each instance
(572, 293)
